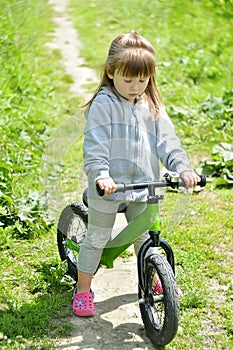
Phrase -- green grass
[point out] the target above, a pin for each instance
(194, 61)
(194, 44)
(34, 101)
(34, 295)
(193, 55)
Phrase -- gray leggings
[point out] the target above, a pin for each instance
(101, 219)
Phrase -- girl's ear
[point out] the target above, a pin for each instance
(109, 72)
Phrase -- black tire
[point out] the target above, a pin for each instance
(160, 313)
(72, 224)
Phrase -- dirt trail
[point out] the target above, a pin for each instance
(117, 323)
(66, 39)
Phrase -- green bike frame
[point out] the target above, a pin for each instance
(147, 220)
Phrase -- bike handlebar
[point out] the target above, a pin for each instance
(169, 182)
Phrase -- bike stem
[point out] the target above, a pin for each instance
(154, 241)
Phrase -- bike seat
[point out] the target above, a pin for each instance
(121, 209)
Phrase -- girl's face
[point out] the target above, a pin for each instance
(129, 88)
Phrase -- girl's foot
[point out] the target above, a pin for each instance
(83, 304)
(158, 289)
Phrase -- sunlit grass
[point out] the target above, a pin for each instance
(194, 60)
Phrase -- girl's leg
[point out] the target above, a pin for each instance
(84, 282)
(101, 218)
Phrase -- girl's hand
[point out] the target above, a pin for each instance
(190, 178)
(108, 185)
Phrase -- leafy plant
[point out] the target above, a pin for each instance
(225, 7)
(221, 165)
(24, 216)
(218, 107)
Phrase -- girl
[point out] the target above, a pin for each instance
(127, 133)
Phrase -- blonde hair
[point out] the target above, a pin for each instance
(131, 55)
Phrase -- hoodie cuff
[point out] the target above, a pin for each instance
(102, 174)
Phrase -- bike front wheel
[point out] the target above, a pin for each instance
(72, 225)
(160, 312)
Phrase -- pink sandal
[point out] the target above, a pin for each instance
(158, 289)
(83, 304)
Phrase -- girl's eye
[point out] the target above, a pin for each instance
(130, 80)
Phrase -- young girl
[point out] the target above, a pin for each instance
(127, 133)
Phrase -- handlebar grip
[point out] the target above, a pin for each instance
(202, 182)
(120, 188)
(100, 192)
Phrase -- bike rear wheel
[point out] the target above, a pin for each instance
(73, 225)
(160, 312)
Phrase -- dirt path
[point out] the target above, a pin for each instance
(117, 323)
(66, 39)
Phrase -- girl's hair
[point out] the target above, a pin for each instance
(131, 55)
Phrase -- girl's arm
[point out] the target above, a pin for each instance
(171, 153)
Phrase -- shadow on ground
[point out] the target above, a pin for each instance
(99, 332)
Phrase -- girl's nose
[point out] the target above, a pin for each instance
(134, 87)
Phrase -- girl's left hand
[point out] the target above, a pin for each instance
(107, 184)
(190, 178)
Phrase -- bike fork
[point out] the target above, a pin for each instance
(156, 242)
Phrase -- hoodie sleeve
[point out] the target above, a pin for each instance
(97, 138)
(169, 148)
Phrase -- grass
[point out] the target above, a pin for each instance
(33, 299)
(34, 101)
(193, 55)
(194, 61)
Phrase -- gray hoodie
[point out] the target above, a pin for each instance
(126, 142)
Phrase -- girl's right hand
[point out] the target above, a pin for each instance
(190, 178)
(108, 185)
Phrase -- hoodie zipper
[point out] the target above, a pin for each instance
(134, 112)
